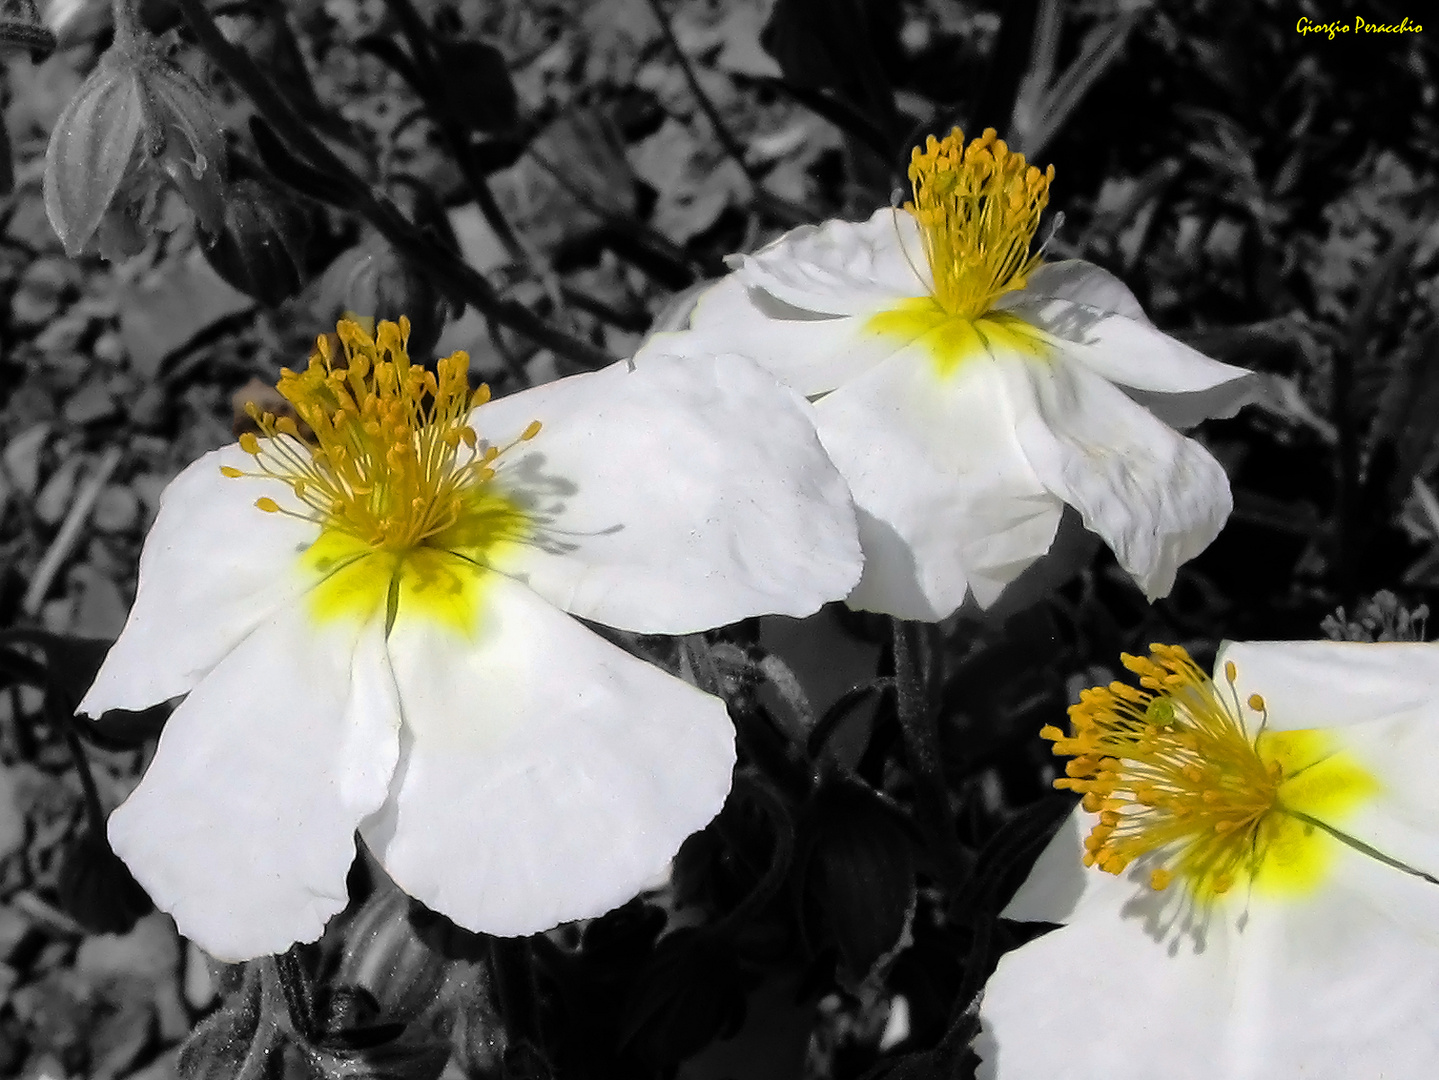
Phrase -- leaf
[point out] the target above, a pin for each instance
(388, 52)
(829, 45)
(241, 1040)
(288, 169)
(409, 1057)
(856, 875)
(689, 993)
(1017, 841)
(97, 889)
(476, 83)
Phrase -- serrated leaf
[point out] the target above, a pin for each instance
(90, 151)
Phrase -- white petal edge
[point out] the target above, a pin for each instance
(213, 568)
(683, 495)
(1154, 496)
(1103, 327)
(1328, 987)
(843, 267)
(808, 352)
(243, 826)
(546, 775)
(947, 499)
(1330, 684)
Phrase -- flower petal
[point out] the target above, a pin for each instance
(1155, 497)
(546, 775)
(679, 496)
(243, 825)
(1380, 704)
(843, 267)
(809, 352)
(1103, 327)
(947, 499)
(1329, 684)
(1330, 986)
(213, 569)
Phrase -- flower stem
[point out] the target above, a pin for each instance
(126, 16)
(514, 982)
(296, 987)
(921, 748)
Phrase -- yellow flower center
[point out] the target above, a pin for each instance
(389, 468)
(978, 207)
(1173, 771)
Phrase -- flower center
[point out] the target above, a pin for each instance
(1173, 771)
(389, 457)
(978, 207)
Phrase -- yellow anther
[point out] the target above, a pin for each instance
(267, 504)
(1256, 702)
(230, 471)
(1230, 671)
(531, 430)
(389, 456)
(1171, 772)
(978, 208)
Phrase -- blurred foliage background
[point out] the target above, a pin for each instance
(540, 182)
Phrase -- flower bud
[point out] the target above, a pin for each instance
(260, 245)
(372, 281)
(139, 123)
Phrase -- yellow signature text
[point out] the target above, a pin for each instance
(1360, 25)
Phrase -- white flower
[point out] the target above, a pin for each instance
(967, 392)
(386, 648)
(1272, 905)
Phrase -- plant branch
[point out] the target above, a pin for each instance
(449, 272)
(921, 747)
(126, 16)
(296, 987)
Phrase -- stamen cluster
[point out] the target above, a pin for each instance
(978, 208)
(1170, 768)
(386, 452)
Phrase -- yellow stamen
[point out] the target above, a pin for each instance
(390, 459)
(1175, 774)
(978, 208)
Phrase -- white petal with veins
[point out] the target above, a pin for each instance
(243, 825)
(682, 495)
(212, 569)
(546, 775)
